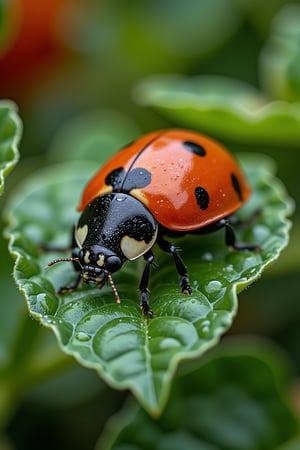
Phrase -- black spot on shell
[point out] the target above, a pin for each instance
(236, 186)
(122, 181)
(136, 179)
(194, 148)
(202, 197)
(116, 178)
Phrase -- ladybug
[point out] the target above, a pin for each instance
(168, 182)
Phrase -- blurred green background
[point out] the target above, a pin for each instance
(79, 72)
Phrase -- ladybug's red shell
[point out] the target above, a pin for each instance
(185, 179)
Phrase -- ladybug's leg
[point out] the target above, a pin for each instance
(74, 285)
(144, 282)
(180, 266)
(230, 237)
(78, 280)
(229, 223)
(244, 223)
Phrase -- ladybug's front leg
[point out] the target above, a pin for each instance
(78, 279)
(180, 266)
(143, 286)
(74, 285)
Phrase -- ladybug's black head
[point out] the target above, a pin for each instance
(97, 262)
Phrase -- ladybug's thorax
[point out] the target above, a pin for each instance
(113, 228)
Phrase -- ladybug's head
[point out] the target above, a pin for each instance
(97, 262)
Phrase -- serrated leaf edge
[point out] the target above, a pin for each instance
(12, 114)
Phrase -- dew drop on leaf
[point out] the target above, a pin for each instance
(213, 286)
(205, 328)
(169, 343)
(207, 256)
(83, 337)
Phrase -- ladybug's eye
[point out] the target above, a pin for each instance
(113, 263)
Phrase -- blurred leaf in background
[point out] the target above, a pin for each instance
(235, 400)
(231, 109)
(279, 61)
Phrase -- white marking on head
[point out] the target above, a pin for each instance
(100, 260)
(86, 257)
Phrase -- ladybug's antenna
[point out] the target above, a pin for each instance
(51, 263)
(113, 287)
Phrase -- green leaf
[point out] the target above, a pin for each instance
(222, 106)
(128, 350)
(92, 135)
(146, 37)
(234, 401)
(279, 62)
(260, 14)
(193, 28)
(10, 134)
(294, 444)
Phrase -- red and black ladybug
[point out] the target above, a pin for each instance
(166, 182)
